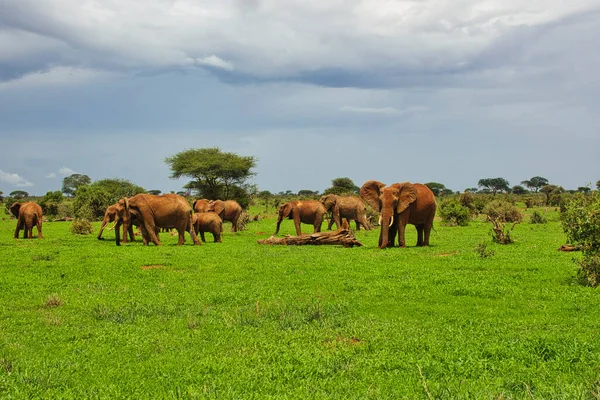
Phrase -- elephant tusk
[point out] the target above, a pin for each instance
(380, 220)
(391, 221)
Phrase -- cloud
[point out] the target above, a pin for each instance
(383, 110)
(14, 179)
(59, 76)
(359, 42)
(51, 175)
(64, 171)
(214, 61)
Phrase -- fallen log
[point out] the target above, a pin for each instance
(342, 236)
(569, 247)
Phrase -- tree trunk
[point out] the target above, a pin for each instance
(342, 236)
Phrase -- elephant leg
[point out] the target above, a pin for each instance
(401, 240)
(151, 233)
(330, 224)
(420, 229)
(357, 224)
(39, 229)
(193, 234)
(318, 223)
(202, 236)
(181, 239)
(216, 237)
(234, 223)
(427, 231)
(18, 229)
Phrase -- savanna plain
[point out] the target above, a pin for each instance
(83, 318)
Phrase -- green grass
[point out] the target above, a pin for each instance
(82, 318)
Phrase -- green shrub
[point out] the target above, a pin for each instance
(81, 226)
(503, 211)
(580, 218)
(538, 218)
(453, 213)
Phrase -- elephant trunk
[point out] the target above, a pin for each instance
(386, 221)
(279, 219)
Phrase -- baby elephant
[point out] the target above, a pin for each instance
(28, 215)
(208, 222)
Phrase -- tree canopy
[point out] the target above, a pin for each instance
(342, 186)
(439, 189)
(19, 194)
(495, 185)
(535, 183)
(214, 173)
(72, 182)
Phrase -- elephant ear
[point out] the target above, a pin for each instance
(218, 207)
(370, 193)
(14, 209)
(407, 195)
(286, 209)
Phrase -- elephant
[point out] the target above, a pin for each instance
(201, 206)
(28, 215)
(401, 204)
(228, 210)
(154, 211)
(111, 215)
(208, 222)
(349, 207)
(305, 211)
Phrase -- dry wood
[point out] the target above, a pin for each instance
(343, 236)
(569, 247)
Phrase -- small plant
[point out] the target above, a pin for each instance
(81, 226)
(483, 251)
(538, 218)
(500, 232)
(53, 300)
(453, 213)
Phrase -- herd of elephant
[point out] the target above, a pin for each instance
(399, 204)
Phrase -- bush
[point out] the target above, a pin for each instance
(453, 213)
(483, 251)
(91, 202)
(81, 226)
(580, 218)
(538, 218)
(503, 211)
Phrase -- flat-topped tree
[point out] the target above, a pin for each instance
(535, 183)
(214, 173)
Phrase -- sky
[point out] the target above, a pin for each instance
(448, 91)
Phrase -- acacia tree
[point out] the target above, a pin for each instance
(535, 183)
(494, 184)
(215, 174)
(72, 182)
(19, 194)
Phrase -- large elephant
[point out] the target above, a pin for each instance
(28, 215)
(228, 210)
(208, 222)
(349, 207)
(401, 204)
(152, 211)
(302, 211)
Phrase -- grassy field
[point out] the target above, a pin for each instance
(82, 318)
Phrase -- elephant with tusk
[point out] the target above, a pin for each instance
(401, 204)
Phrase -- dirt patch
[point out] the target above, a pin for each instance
(147, 267)
(446, 254)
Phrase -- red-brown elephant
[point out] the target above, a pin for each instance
(350, 207)
(152, 211)
(302, 211)
(28, 215)
(228, 210)
(208, 222)
(401, 204)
